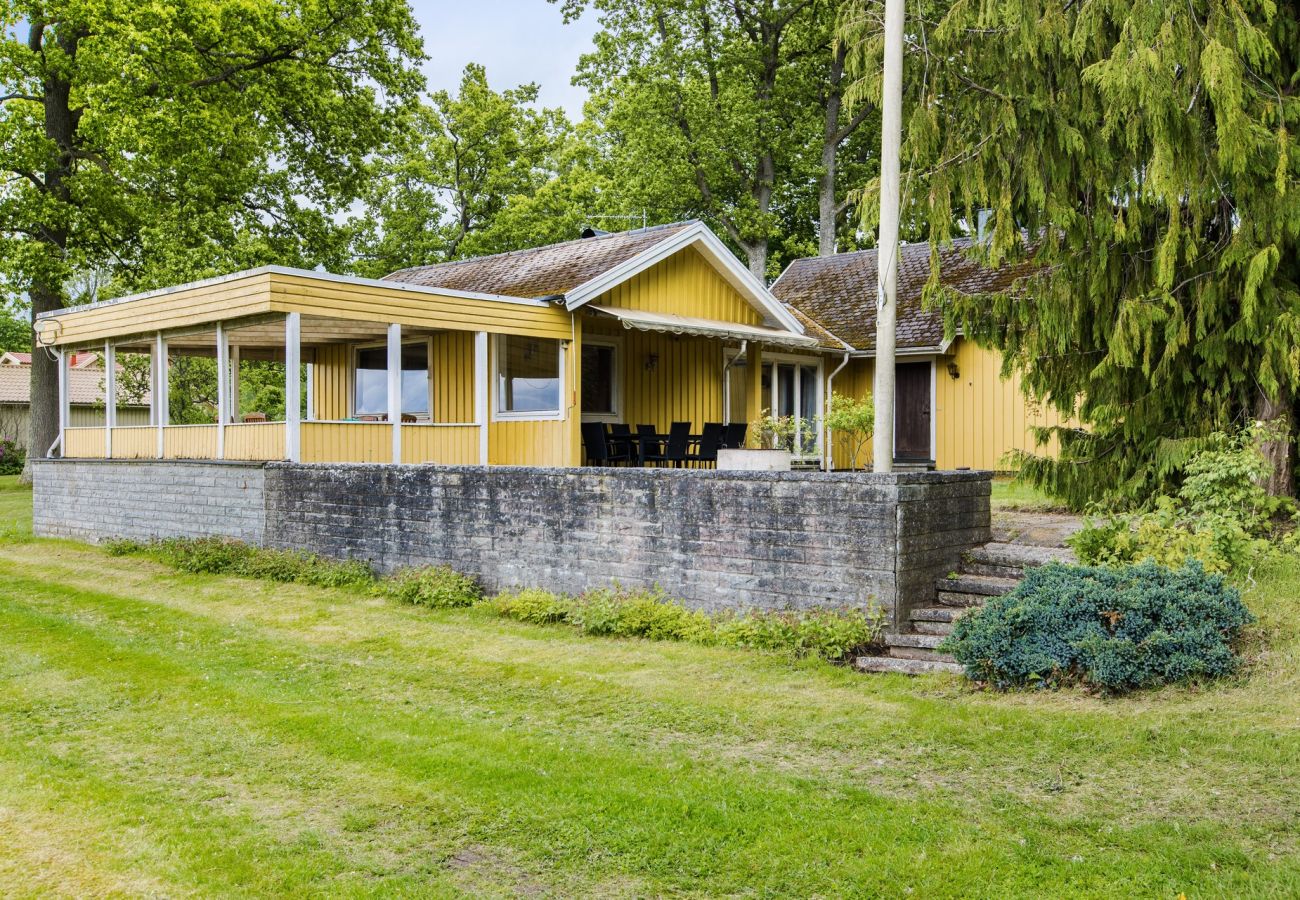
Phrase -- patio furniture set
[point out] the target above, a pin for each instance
(618, 444)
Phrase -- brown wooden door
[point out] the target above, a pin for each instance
(912, 411)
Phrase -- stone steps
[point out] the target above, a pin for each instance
(988, 571)
(905, 666)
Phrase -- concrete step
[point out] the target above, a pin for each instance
(1017, 556)
(920, 653)
(978, 568)
(983, 585)
(943, 629)
(906, 666)
(924, 641)
(936, 614)
(960, 601)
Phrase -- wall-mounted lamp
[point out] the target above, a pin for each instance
(651, 361)
(953, 370)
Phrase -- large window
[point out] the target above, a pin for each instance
(599, 381)
(371, 387)
(528, 377)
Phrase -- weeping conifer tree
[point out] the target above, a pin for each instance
(1142, 154)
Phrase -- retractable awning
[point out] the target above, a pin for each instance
(670, 324)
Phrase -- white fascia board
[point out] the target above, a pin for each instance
(713, 249)
(304, 273)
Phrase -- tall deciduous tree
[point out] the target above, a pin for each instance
(728, 111)
(1148, 149)
(166, 139)
(466, 174)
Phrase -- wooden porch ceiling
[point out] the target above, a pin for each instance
(264, 339)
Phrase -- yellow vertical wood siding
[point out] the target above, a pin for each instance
(370, 442)
(981, 416)
(685, 284)
(448, 445)
(330, 376)
(190, 442)
(83, 443)
(452, 374)
(263, 440)
(135, 442)
(537, 442)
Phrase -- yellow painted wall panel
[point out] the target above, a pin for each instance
(370, 442)
(685, 284)
(255, 441)
(330, 375)
(452, 364)
(448, 445)
(190, 442)
(83, 443)
(135, 442)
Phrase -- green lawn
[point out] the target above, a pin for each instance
(184, 735)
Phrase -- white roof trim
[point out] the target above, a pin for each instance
(305, 273)
(714, 250)
(671, 324)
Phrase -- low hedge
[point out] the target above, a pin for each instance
(1116, 628)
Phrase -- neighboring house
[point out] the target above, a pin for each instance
(499, 359)
(85, 395)
(953, 409)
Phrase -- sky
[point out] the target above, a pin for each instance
(518, 41)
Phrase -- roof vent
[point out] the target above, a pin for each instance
(590, 232)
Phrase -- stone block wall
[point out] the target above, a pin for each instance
(717, 540)
(95, 500)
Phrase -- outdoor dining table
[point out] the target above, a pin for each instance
(639, 443)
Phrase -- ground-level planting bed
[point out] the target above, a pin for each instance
(176, 734)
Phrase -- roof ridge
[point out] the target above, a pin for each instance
(579, 240)
(963, 241)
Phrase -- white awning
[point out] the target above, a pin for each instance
(652, 321)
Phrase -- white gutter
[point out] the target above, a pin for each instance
(828, 456)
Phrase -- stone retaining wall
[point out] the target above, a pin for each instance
(717, 540)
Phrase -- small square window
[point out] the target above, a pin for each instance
(528, 376)
(371, 384)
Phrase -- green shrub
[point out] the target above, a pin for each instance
(533, 605)
(641, 613)
(1220, 515)
(12, 458)
(1115, 628)
(219, 556)
(831, 634)
(437, 587)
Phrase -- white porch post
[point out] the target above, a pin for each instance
(110, 397)
(395, 388)
(293, 386)
(63, 402)
(234, 383)
(159, 388)
(311, 392)
(481, 393)
(223, 389)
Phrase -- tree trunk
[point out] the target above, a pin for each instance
(1277, 411)
(827, 211)
(44, 427)
(756, 253)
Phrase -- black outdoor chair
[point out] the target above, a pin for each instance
(679, 441)
(597, 446)
(620, 440)
(734, 438)
(650, 448)
(706, 452)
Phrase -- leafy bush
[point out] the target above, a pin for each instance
(831, 634)
(533, 605)
(1220, 516)
(12, 458)
(218, 556)
(437, 587)
(1115, 628)
(855, 420)
(645, 614)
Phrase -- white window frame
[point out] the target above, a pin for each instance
(798, 360)
(498, 414)
(616, 389)
(383, 345)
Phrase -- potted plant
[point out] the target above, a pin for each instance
(770, 441)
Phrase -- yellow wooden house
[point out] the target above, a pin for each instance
(498, 360)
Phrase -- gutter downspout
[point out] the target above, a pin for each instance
(726, 385)
(827, 457)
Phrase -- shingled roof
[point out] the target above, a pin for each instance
(541, 271)
(85, 386)
(839, 292)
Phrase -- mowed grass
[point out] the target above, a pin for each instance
(201, 736)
